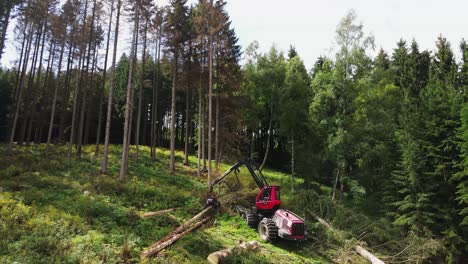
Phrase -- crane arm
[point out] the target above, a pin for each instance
(257, 176)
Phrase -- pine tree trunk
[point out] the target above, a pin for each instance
(105, 154)
(29, 105)
(140, 96)
(81, 123)
(187, 107)
(210, 106)
(87, 125)
(200, 121)
(173, 114)
(217, 156)
(204, 169)
(21, 62)
(83, 102)
(20, 88)
(187, 124)
(63, 114)
(77, 89)
(99, 125)
(54, 101)
(103, 87)
(128, 105)
(34, 115)
(75, 104)
(267, 149)
(154, 112)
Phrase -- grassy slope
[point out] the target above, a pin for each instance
(51, 212)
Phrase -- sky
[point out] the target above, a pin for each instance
(310, 25)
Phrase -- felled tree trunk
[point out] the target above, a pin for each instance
(156, 248)
(182, 230)
(360, 250)
(219, 256)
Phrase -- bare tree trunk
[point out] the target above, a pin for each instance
(187, 108)
(75, 104)
(45, 99)
(268, 140)
(203, 130)
(34, 115)
(154, 112)
(111, 89)
(137, 136)
(54, 101)
(210, 105)
(29, 104)
(200, 120)
(67, 87)
(218, 132)
(132, 94)
(20, 91)
(104, 74)
(83, 102)
(21, 62)
(173, 114)
(187, 125)
(128, 105)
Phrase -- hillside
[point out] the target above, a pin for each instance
(52, 212)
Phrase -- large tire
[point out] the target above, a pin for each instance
(251, 219)
(268, 230)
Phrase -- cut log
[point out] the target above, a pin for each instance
(193, 219)
(151, 214)
(367, 255)
(360, 250)
(182, 230)
(158, 246)
(219, 256)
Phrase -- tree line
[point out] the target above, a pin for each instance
(390, 128)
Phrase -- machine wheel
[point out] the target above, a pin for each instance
(251, 219)
(268, 230)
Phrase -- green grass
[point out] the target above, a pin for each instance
(54, 213)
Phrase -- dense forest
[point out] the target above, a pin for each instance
(382, 131)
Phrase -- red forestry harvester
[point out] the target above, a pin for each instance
(270, 221)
